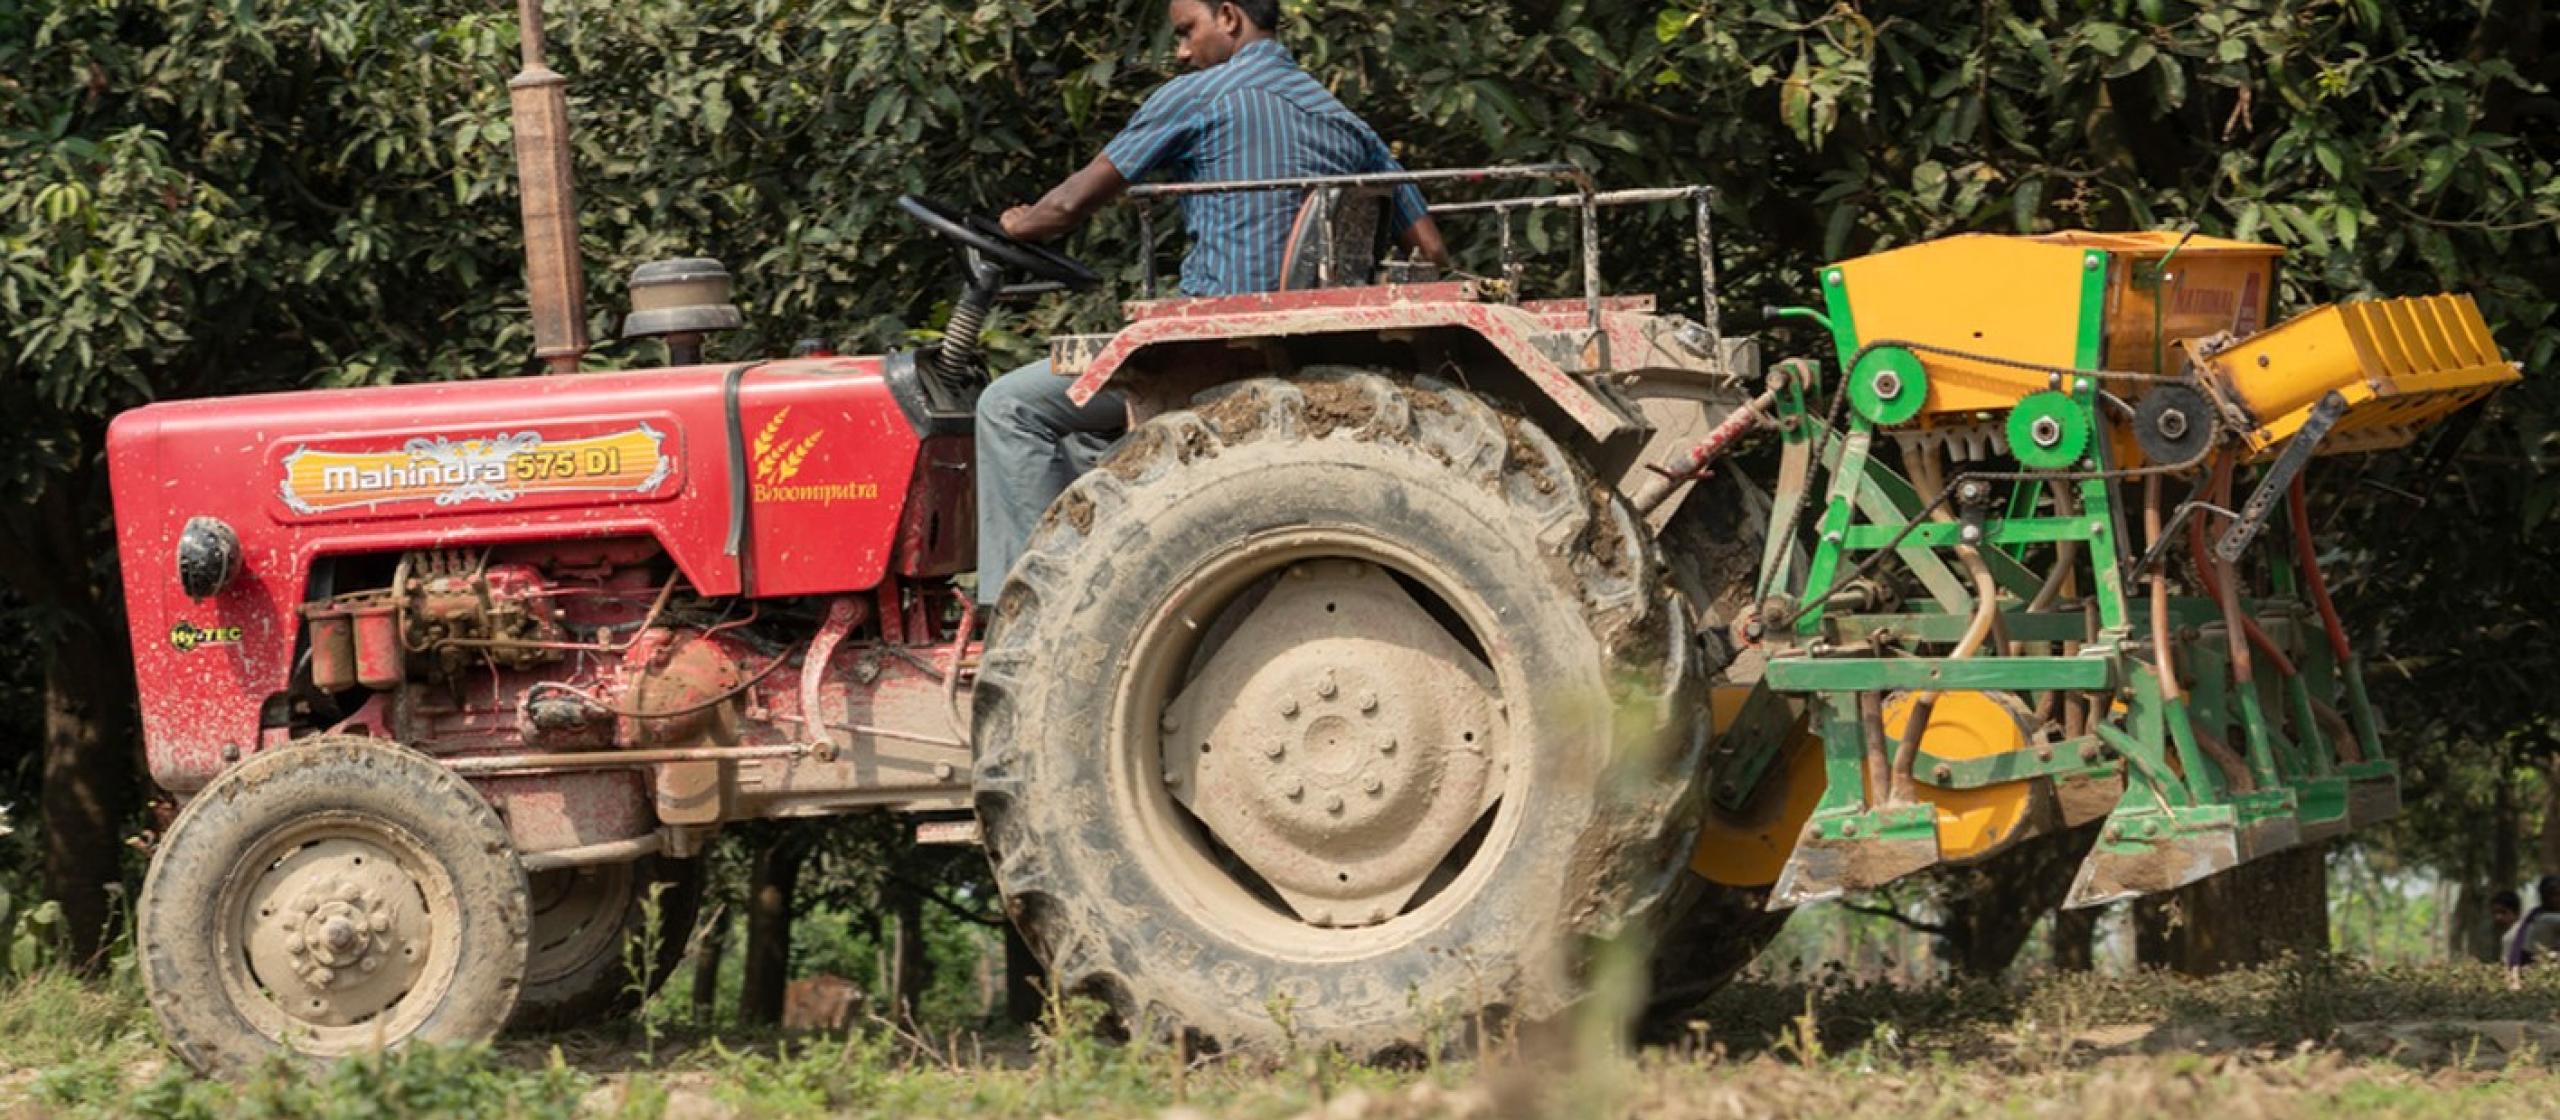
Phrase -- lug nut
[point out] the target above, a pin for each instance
(1333, 803)
(1293, 789)
(1274, 749)
(1368, 701)
(1388, 747)
(1325, 687)
(1371, 784)
(1169, 723)
(1943, 774)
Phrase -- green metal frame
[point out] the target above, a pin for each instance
(2175, 794)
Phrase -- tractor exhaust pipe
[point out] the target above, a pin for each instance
(555, 284)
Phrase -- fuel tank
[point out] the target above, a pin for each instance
(786, 478)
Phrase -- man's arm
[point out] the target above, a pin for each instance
(1423, 236)
(1158, 137)
(1068, 204)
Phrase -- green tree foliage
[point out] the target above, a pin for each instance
(203, 198)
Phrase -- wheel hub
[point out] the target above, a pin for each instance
(1340, 742)
(335, 931)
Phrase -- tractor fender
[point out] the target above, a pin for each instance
(1546, 347)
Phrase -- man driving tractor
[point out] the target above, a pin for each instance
(1245, 112)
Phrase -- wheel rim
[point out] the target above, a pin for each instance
(577, 916)
(339, 931)
(1318, 748)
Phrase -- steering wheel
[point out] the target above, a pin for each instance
(982, 234)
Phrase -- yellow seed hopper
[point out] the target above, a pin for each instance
(2398, 365)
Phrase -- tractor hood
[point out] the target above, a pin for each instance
(780, 478)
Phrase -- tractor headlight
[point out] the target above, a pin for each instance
(208, 556)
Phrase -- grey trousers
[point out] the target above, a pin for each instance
(1032, 442)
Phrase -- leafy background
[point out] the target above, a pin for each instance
(223, 197)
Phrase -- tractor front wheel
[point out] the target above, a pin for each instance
(1335, 712)
(339, 895)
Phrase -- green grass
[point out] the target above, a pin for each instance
(2278, 1042)
(50, 1019)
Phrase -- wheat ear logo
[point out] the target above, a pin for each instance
(777, 457)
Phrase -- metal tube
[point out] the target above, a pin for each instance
(1926, 476)
(2221, 576)
(2065, 553)
(2312, 579)
(951, 673)
(1710, 309)
(904, 736)
(1871, 725)
(2235, 770)
(2226, 576)
(1986, 598)
(1693, 462)
(1561, 172)
(555, 281)
(616, 760)
(2162, 643)
(588, 855)
(1591, 272)
(1629, 197)
(1586, 195)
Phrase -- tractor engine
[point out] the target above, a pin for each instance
(543, 648)
(569, 658)
(456, 610)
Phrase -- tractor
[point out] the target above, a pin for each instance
(1410, 644)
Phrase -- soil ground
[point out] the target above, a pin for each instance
(2316, 1039)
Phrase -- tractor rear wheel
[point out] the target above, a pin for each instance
(590, 925)
(337, 896)
(1335, 712)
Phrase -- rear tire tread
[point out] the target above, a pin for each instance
(1634, 849)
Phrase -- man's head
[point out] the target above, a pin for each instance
(2547, 892)
(1208, 32)
(2505, 908)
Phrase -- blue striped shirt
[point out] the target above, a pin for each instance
(1254, 116)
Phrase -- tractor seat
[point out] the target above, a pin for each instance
(1334, 242)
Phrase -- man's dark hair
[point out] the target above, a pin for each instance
(2509, 900)
(1265, 14)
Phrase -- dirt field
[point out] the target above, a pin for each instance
(2318, 1040)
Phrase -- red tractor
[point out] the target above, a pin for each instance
(1349, 678)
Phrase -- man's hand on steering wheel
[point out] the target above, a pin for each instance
(989, 240)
